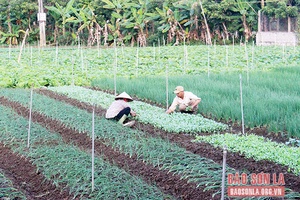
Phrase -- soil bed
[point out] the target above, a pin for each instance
(234, 160)
(168, 182)
(25, 177)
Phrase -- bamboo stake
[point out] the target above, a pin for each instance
(247, 62)
(56, 55)
(78, 42)
(206, 25)
(167, 86)
(23, 43)
(29, 122)
(81, 57)
(252, 63)
(30, 56)
(137, 60)
(184, 56)
(9, 51)
(93, 147)
(227, 60)
(115, 68)
(208, 61)
(158, 46)
(73, 70)
(233, 42)
(154, 52)
(242, 111)
(223, 172)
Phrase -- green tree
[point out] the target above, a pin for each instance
(63, 12)
(88, 20)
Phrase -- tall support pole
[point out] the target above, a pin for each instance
(42, 23)
(224, 172)
(207, 28)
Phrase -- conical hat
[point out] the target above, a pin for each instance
(123, 95)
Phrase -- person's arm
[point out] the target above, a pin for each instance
(196, 102)
(172, 108)
(132, 113)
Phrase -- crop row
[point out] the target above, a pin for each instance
(177, 166)
(278, 153)
(155, 151)
(257, 147)
(270, 98)
(68, 165)
(291, 194)
(148, 114)
(7, 190)
(278, 160)
(51, 66)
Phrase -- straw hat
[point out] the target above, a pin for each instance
(123, 95)
(178, 89)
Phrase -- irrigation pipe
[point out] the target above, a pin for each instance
(29, 121)
(223, 172)
(242, 111)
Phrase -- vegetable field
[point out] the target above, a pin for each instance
(56, 144)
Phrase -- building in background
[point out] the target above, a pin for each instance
(276, 31)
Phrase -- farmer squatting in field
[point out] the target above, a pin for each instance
(120, 109)
(186, 101)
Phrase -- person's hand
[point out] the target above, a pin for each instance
(189, 108)
(133, 114)
(168, 111)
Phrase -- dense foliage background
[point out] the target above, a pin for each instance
(141, 22)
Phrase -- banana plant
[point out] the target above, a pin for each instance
(244, 8)
(171, 22)
(120, 11)
(87, 18)
(138, 21)
(11, 38)
(63, 12)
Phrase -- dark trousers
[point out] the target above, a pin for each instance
(125, 111)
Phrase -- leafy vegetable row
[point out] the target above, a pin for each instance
(155, 151)
(7, 190)
(176, 122)
(68, 165)
(257, 147)
(55, 67)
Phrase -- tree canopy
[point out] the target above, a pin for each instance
(138, 22)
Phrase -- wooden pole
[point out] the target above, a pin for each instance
(42, 23)
(224, 172)
(29, 121)
(242, 109)
(93, 148)
(23, 43)
(207, 28)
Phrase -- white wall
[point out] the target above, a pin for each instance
(276, 38)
